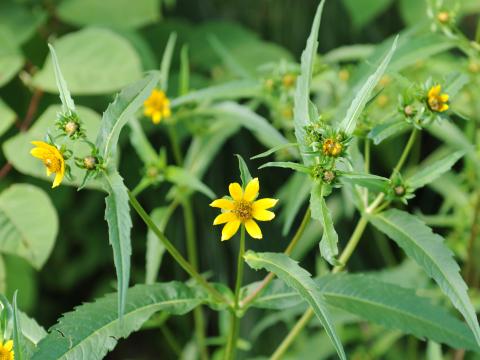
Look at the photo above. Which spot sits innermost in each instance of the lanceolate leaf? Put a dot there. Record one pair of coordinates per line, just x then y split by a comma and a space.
350, 121
92, 330
299, 279
429, 173
372, 182
126, 103
180, 176
244, 172
166, 61
68, 105
18, 345
329, 243
370, 298
287, 165
117, 214
394, 126
302, 91
430, 252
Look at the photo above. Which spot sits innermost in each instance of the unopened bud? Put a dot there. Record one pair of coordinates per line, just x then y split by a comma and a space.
71, 128
443, 17
408, 110
399, 190
90, 162
328, 176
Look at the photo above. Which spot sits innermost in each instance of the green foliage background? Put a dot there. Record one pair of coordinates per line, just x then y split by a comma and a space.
105, 45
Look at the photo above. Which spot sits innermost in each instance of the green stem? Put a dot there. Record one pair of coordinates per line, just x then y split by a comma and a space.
235, 323
172, 250
192, 256
171, 341
406, 151
177, 153
367, 166
298, 235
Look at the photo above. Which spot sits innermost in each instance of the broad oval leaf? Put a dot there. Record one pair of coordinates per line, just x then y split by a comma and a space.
379, 302
7, 115
93, 329
94, 61
121, 110
28, 223
11, 59
430, 252
298, 278
109, 12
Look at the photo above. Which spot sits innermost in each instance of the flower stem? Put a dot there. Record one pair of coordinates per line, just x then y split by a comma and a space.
172, 250
406, 151
234, 324
296, 238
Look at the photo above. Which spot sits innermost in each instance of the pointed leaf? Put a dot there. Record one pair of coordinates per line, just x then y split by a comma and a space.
358, 104
392, 127
68, 106
302, 91
432, 171
18, 345
181, 177
125, 105
373, 182
155, 248
287, 165
166, 61
93, 329
244, 172
430, 252
298, 278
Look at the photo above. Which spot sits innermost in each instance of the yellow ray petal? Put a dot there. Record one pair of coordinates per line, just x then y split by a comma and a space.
444, 97
222, 204
253, 229
8, 345
156, 117
434, 91
263, 215
265, 203
230, 229
40, 153
223, 218
444, 108
236, 191
251, 191
58, 179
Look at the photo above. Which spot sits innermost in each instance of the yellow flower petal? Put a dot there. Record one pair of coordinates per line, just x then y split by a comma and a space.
39, 152
253, 229
223, 218
8, 345
444, 108
222, 204
434, 91
251, 191
156, 117
236, 191
230, 229
265, 203
263, 215
444, 97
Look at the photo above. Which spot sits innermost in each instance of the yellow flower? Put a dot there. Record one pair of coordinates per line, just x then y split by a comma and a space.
437, 101
157, 106
52, 159
243, 209
6, 350
331, 147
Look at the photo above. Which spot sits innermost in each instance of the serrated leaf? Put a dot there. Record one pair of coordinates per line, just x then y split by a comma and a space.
28, 223
379, 302
298, 278
166, 61
432, 171
117, 215
95, 328
245, 175
329, 242
392, 127
302, 89
68, 105
430, 252
125, 105
373, 182
358, 104
287, 165
181, 177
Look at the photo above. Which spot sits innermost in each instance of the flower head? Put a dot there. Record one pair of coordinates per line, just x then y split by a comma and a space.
332, 147
6, 350
437, 101
52, 159
243, 209
157, 106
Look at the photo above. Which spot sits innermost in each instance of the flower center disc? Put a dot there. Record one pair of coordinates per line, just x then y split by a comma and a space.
243, 210
53, 164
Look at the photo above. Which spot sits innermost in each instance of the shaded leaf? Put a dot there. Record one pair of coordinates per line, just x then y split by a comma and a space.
68, 105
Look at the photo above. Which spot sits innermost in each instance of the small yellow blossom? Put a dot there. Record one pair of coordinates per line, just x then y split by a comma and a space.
436, 100
6, 350
243, 209
52, 159
331, 147
157, 106
344, 75
443, 17
288, 80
